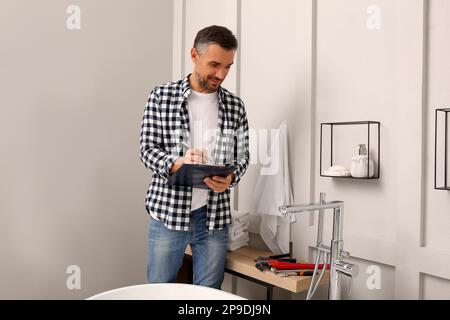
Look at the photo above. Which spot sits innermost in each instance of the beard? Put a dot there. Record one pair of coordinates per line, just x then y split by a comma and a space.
203, 82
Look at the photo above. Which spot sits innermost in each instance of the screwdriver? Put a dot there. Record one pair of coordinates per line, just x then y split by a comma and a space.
297, 273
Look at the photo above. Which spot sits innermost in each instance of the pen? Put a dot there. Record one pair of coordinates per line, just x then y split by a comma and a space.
185, 144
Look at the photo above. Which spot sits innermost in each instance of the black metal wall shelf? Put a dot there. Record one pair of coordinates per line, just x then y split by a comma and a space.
441, 158
353, 123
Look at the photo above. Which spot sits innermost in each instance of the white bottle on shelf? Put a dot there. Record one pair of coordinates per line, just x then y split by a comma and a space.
360, 163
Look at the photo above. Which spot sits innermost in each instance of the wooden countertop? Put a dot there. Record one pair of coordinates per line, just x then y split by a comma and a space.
243, 261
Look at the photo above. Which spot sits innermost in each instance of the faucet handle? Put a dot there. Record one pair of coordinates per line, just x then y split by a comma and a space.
345, 254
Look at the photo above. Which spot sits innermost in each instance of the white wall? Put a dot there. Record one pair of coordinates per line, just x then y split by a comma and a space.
435, 220
315, 61
72, 187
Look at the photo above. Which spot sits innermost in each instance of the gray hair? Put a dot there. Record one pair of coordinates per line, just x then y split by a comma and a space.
215, 35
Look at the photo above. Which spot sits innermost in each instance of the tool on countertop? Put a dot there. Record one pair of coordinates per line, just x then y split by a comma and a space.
262, 263
284, 256
282, 265
306, 273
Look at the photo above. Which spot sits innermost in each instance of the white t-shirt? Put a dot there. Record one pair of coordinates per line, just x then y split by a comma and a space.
203, 117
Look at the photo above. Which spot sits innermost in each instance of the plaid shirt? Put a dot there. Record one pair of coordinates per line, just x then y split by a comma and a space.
165, 126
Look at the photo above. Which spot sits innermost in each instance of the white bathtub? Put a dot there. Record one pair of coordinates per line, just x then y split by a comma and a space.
165, 291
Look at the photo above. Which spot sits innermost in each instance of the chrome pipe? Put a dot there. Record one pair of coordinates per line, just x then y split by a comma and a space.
337, 242
320, 221
334, 292
324, 248
310, 207
338, 267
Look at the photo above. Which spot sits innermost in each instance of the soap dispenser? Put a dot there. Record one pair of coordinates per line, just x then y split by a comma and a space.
360, 163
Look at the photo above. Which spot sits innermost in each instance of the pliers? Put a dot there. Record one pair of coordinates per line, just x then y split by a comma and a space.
262, 263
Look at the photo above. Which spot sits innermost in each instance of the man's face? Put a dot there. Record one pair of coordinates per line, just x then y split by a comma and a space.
211, 67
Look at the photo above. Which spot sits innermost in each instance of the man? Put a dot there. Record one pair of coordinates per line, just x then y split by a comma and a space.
194, 121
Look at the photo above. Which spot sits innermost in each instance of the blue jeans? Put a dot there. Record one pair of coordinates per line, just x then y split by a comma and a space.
166, 251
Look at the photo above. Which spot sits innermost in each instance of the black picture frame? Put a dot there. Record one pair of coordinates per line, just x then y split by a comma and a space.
437, 133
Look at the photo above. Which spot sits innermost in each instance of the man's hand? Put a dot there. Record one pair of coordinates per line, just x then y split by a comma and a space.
192, 156
219, 184
195, 156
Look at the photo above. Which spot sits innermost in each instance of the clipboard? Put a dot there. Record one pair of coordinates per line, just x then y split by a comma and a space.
192, 175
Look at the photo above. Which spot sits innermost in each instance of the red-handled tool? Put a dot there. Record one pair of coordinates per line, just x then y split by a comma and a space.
289, 265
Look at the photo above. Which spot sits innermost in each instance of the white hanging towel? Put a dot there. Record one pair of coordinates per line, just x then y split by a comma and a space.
273, 189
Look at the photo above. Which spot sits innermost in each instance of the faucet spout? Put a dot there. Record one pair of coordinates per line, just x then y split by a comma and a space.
310, 207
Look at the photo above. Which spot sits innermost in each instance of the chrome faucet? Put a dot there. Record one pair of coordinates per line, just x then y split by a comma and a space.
338, 267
